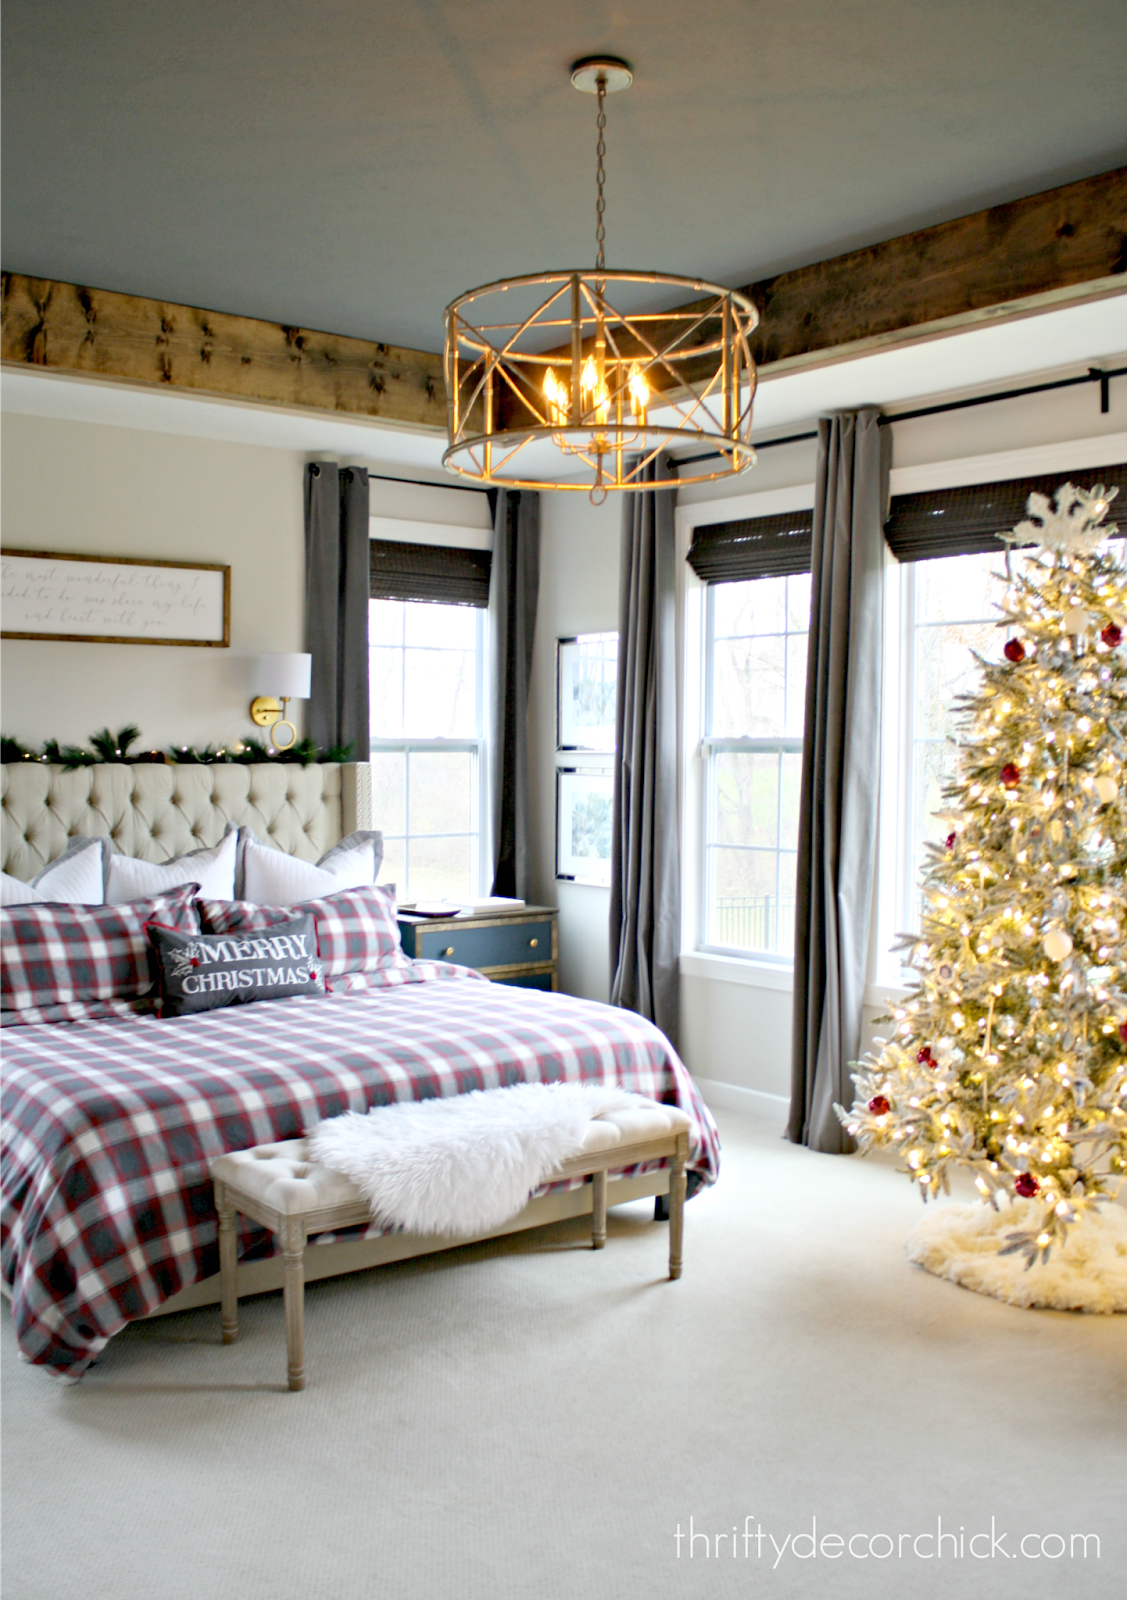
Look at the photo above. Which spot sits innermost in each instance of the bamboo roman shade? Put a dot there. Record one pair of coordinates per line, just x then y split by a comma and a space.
756, 547
960, 521
441, 574
966, 520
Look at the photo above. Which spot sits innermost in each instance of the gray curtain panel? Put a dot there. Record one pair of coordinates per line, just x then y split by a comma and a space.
645, 894
837, 828
336, 605
514, 583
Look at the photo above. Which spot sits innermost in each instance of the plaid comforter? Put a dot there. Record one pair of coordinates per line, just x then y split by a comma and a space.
107, 1206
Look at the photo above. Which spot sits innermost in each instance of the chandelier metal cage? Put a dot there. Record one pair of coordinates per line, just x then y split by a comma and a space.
609, 368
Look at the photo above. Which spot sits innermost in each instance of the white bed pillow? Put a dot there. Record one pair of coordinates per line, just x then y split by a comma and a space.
213, 868
76, 877
270, 877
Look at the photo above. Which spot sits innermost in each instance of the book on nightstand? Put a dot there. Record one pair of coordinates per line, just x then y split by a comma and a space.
454, 908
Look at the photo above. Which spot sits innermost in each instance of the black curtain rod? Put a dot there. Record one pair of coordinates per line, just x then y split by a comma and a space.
423, 483
757, 445
416, 483
1100, 375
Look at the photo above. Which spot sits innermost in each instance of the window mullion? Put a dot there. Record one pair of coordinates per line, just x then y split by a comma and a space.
752, 746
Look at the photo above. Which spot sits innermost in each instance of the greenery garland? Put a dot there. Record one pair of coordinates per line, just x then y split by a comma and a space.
107, 747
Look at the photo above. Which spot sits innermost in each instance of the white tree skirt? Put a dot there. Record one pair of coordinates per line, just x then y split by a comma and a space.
1088, 1274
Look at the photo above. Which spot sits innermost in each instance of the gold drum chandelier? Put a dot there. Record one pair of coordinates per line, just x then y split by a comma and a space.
609, 368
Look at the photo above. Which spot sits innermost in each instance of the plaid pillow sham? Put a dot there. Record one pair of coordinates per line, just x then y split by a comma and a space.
73, 963
357, 929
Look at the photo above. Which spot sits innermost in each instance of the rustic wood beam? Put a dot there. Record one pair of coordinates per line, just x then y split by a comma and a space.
65, 327
1027, 254
1057, 245
1043, 245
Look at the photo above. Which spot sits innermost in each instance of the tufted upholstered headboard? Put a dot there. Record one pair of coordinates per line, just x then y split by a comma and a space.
156, 812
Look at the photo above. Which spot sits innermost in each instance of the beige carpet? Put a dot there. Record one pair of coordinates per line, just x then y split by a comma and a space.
532, 1419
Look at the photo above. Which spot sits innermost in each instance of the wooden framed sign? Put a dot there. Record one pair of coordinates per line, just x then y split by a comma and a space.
114, 599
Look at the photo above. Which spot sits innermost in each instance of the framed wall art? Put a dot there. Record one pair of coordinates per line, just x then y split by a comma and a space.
586, 684
584, 801
114, 599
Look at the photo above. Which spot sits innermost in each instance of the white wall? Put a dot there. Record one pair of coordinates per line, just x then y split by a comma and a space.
579, 546
115, 491
735, 1032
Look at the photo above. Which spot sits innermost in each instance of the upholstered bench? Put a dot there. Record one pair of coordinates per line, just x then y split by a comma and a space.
278, 1187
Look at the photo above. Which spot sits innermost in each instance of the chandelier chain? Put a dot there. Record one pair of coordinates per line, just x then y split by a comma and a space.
601, 177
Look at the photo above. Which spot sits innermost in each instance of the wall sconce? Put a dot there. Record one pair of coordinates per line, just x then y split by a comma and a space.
279, 677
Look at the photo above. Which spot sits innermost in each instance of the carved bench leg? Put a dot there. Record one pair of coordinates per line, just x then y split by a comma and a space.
677, 1205
292, 1236
598, 1210
228, 1242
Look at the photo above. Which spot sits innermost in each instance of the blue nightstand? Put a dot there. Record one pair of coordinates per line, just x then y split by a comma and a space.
517, 947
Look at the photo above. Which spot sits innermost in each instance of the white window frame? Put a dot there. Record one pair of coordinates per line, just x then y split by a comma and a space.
480, 851
756, 968
713, 745
445, 514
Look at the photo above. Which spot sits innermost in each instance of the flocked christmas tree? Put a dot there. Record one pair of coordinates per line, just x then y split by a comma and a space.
1009, 1058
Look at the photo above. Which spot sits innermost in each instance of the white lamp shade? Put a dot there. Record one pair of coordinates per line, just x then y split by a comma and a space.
283, 675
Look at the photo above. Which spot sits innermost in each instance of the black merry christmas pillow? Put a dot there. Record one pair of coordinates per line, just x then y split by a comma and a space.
200, 971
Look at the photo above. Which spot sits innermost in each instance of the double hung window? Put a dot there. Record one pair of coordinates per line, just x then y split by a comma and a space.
426, 655
756, 623
755, 687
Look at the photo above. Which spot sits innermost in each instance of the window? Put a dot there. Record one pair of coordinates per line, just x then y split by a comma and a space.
746, 625
951, 607
426, 678
755, 689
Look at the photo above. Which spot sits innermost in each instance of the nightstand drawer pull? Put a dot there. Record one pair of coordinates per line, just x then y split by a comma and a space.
449, 951
532, 943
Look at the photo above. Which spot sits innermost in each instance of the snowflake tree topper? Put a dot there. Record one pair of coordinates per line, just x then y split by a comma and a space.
1071, 527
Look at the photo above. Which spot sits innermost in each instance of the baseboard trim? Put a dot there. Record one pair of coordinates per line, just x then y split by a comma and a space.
771, 1108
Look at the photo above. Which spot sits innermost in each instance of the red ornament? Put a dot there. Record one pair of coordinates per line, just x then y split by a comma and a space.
951, 841
1010, 775
1026, 1185
1123, 1031
1014, 651
925, 1057
879, 1106
1112, 635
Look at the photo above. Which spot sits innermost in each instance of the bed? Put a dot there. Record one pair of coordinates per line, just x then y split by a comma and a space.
107, 1209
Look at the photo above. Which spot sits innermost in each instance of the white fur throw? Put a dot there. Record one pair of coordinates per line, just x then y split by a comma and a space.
465, 1163
1088, 1274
